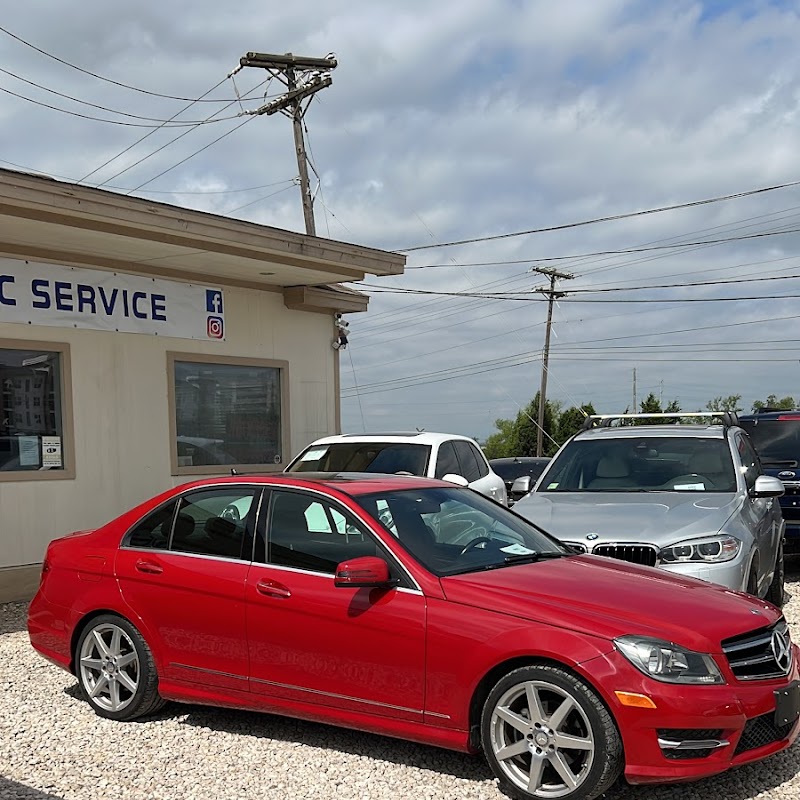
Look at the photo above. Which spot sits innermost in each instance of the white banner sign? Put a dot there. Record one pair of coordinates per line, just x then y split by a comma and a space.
70, 297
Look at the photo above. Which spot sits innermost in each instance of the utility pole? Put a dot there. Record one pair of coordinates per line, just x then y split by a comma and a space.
551, 294
303, 77
634, 391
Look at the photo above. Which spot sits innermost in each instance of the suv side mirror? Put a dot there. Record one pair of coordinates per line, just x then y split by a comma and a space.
459, 480
767, 486
521, 487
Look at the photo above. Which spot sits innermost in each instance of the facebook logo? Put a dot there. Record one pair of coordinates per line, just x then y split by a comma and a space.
214, 301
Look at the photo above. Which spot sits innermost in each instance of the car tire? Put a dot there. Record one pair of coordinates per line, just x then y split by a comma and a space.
775, 593
115, 669
545, 733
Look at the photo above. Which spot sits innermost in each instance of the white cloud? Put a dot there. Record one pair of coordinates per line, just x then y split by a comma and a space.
464, 118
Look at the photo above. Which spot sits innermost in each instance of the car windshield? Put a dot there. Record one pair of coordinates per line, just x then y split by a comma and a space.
645, 464
389, 457
454, 530
776, 440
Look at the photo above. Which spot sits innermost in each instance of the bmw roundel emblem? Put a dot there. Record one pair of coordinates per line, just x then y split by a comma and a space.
592, 536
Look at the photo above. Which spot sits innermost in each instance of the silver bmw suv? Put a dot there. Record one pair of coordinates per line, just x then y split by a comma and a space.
690, 498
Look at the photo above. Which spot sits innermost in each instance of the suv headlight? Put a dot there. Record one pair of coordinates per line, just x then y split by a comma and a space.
711, 549
667, 662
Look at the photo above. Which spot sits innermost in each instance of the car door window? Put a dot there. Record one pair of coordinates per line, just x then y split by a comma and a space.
214, 522
480, 459
466, 458
154, 530
751, 466
312, 534
447, 461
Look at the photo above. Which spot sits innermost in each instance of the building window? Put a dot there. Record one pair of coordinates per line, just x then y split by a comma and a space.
33, 421
227, 412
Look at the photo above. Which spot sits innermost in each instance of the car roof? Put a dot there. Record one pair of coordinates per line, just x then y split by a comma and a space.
785, 415
413, 437
351, 483
520, 460
644, 431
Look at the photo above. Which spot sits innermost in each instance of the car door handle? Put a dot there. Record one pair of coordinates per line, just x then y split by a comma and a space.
273, 589
149, 567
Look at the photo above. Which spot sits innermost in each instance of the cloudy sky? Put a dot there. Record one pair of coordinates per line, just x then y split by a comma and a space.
465, 119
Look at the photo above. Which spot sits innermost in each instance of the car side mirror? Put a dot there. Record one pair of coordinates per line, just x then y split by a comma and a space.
367, 571
459, 480
521, 487
767, 486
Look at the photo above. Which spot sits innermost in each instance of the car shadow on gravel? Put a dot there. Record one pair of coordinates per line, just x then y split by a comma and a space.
344, 740
753, 780
13, 618
18, 791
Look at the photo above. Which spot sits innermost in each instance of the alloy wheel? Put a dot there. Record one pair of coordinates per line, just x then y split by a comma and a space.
109, 667
542, 739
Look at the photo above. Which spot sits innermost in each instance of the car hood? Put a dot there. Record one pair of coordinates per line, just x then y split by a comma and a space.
607, 598
659, 518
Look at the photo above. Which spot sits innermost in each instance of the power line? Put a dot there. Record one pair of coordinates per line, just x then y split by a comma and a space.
156, 191
684, 285
101, 77
105, 108
260, 199
627, 251
612, 218
143, 138
98, 119
167, 144
528, 357
191, 155
735, 225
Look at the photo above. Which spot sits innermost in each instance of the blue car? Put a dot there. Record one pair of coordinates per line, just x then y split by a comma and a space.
776, 436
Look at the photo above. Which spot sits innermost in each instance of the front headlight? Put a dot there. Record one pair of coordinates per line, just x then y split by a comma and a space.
711, 549
667, 662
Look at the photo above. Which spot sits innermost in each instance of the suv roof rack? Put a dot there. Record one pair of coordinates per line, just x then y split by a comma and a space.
728, 418
774, 409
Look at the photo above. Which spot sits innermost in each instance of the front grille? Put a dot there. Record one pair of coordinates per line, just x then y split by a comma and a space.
688, 735
644, 554
754, 656
760, 731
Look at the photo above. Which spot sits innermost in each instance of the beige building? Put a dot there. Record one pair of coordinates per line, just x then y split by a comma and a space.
142, 344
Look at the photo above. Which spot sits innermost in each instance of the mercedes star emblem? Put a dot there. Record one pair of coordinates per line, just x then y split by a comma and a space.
781, 650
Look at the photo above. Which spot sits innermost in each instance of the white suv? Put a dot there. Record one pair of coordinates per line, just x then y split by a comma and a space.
432, 455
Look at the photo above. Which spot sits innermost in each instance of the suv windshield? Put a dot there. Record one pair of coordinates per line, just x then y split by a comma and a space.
644, 464
776, 440
389, 457
452, 530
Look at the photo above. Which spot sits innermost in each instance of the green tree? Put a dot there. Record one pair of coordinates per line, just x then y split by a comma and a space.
673, 407
526, 425
729, 403
785, 403
571, 420
500, 444
650, 405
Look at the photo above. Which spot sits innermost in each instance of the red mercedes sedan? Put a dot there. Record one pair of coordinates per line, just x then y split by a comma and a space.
422, 610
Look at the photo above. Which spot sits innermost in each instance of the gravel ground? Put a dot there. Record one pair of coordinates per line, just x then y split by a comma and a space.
52, 746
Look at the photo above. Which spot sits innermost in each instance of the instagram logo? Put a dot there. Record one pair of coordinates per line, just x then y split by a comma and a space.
215, 328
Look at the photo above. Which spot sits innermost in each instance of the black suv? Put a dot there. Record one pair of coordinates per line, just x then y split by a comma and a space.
776, 436
509, 469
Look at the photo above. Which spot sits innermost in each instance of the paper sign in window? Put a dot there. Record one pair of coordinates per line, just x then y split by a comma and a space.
28, 451
51, 451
